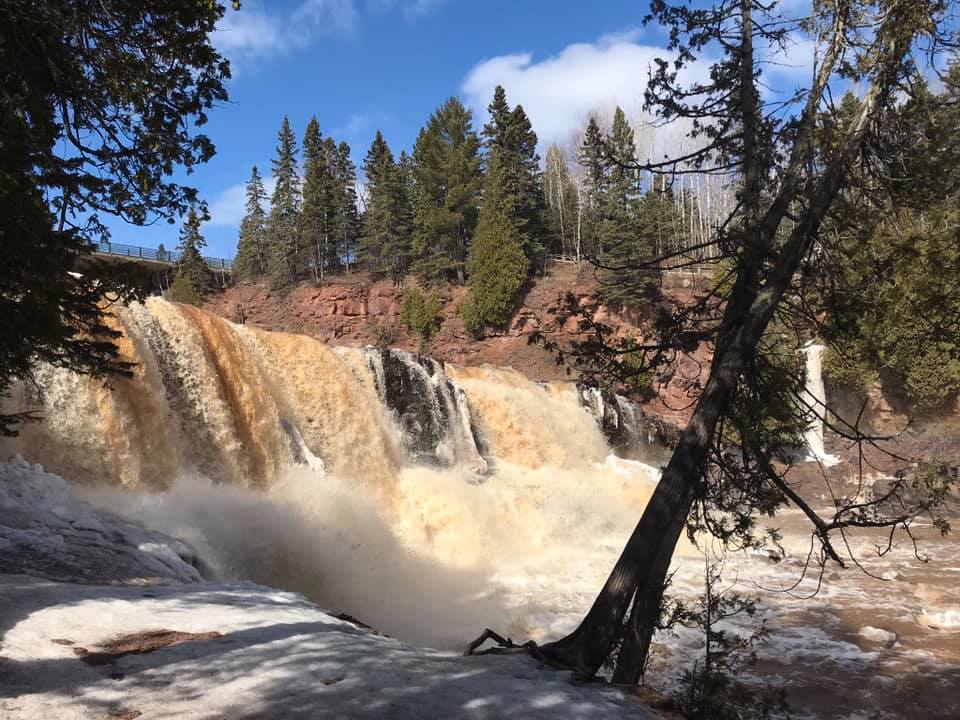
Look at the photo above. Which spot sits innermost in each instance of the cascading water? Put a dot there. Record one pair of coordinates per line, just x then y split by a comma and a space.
351, 475
816, 398
342, 473
629, 431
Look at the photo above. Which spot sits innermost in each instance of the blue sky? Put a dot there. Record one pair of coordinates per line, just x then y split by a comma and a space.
363, 65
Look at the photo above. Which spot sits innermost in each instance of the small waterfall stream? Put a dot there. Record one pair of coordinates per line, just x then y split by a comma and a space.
816, 398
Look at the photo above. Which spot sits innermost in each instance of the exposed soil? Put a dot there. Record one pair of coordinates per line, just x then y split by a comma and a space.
136, 644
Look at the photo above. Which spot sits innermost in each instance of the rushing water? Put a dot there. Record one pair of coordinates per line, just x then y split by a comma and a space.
433, 501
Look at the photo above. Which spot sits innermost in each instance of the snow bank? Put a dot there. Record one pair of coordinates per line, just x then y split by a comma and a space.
45, 531
878, 635
279, 656
941, 619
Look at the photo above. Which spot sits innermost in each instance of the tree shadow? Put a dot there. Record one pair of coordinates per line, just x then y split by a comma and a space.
312, 666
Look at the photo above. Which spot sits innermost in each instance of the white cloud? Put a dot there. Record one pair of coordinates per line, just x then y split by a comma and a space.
559, 92
253, 33
228, 206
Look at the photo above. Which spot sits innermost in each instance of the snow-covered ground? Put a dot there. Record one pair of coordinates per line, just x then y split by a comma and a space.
45, 531
277, 654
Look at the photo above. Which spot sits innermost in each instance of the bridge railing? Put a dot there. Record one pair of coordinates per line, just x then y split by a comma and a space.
136, 252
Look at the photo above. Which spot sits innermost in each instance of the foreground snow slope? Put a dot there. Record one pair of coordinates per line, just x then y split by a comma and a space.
279, 656
45, 531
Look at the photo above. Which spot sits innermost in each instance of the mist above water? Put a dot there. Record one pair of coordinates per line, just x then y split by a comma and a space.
432, 501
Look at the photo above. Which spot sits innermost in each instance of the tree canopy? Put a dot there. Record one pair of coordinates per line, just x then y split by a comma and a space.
100, 103
447, 178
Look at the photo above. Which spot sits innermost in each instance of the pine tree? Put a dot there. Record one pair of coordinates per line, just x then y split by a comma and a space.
251, 259
385, 241
284, 257
194, 279
510, 135
497, 265
447, 176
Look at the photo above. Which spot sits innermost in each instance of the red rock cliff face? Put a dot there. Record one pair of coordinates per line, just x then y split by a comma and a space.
356, 310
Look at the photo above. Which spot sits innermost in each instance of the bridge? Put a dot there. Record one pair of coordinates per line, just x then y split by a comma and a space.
157, 258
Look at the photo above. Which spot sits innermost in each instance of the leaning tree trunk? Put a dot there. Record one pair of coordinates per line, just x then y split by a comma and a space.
639, 574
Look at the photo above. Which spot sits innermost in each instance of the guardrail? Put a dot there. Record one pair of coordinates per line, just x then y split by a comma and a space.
172, 257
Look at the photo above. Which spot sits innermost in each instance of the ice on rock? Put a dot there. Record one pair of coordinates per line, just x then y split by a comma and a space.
877, 635
47, 532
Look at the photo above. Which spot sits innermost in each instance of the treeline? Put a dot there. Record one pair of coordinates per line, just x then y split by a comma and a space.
465, 206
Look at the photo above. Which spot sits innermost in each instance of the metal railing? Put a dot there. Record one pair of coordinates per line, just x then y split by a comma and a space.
135, 252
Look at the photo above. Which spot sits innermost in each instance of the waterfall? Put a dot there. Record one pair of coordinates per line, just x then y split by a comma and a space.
382, 483
629, 431
816, 398
241, 405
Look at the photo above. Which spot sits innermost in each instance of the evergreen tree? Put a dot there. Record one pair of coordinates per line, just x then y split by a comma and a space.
510, 135
385, 241
346, 216
327, 199
596, 181
447, 176
497, 265
284, 257
315, 216
194, 279
141, 89
624, 228
252, 248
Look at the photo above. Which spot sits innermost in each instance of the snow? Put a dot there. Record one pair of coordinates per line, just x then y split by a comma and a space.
45, 531
878, 635
278, 655
941, 618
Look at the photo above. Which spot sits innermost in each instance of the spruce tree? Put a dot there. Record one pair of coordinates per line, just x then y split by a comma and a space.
328, 198
447, 176
284, 257
596, 170
626, 228
251, 259
194, 279
347, 217
497, 265
315, 213
385, 240
510, 135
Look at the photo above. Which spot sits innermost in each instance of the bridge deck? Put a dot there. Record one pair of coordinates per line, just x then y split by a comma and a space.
153, 256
